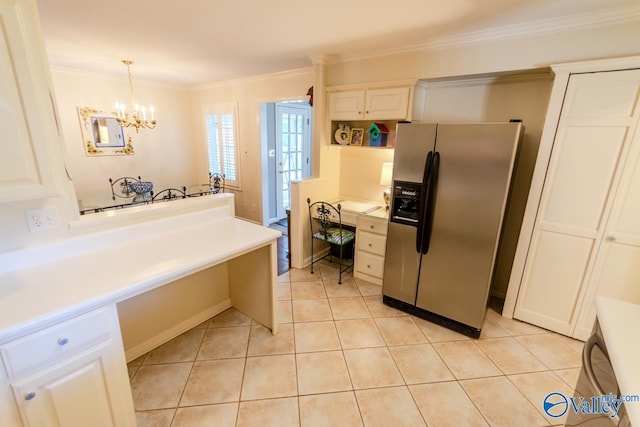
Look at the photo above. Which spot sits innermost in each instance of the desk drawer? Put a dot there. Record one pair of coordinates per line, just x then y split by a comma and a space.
372, 225
369, 242
370, 264
62, 340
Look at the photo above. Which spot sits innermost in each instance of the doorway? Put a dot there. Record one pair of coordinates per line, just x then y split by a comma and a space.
285, 129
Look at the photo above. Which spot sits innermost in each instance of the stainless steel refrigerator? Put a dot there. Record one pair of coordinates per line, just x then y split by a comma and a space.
450, 188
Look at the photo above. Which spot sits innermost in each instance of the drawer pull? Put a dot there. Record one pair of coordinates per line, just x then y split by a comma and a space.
370, 245
371, 226
369, 266
63, 341
30, 395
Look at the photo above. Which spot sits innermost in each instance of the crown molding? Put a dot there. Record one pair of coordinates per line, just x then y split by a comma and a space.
115, 77
254, 79
589, 20
542, 74
626, 63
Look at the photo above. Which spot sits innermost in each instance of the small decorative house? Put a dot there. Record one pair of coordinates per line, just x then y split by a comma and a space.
378, 133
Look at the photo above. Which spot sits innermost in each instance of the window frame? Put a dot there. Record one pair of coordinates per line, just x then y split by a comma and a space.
218, 110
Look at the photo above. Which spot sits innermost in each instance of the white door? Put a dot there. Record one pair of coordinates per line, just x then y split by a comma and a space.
595, 130
616, 272
292, 151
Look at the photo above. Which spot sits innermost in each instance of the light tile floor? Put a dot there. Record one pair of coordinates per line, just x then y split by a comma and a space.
342, 358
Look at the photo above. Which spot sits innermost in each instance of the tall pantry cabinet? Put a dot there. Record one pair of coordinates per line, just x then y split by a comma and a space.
581, 235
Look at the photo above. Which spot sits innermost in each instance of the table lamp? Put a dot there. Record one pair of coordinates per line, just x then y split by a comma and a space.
385, 179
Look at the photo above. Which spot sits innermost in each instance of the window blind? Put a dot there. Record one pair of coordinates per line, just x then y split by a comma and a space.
222, 146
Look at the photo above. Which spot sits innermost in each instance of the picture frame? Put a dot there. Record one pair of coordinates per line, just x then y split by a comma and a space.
357, 136
101, 134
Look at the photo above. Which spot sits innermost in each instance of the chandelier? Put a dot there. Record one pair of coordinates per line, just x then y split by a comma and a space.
138, 117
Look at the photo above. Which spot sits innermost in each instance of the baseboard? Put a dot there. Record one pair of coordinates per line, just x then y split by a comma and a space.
182, 327
498, 294
318, 255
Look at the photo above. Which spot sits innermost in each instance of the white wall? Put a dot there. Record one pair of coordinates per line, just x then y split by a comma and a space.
164, 155
248, 94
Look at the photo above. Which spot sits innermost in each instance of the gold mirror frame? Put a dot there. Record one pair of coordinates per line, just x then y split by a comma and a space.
102, 135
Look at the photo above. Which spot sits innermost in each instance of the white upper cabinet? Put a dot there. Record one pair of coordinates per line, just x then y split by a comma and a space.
27, 116
586, 236
370, 104
347, 105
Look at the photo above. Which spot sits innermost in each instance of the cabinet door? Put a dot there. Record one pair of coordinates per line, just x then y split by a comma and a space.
9, 415
617, 266
594, 133
387, 104
347, 105
26, 118
79, 392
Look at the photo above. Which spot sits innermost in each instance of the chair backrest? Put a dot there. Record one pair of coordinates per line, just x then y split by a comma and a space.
322, 217
199, 190
120, 187
169, 194
216, 182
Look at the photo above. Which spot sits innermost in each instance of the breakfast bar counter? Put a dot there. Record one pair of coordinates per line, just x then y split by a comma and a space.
62, 358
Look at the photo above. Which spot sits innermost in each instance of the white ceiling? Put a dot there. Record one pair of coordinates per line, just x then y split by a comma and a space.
194, 42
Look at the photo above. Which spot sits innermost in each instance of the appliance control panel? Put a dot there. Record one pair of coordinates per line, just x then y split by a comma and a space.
405, 203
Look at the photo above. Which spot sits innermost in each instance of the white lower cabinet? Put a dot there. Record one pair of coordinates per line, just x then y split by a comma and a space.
586, 235
74, 379
371, 239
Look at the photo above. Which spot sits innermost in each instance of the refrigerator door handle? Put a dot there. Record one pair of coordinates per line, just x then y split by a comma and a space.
423, 201
432, 185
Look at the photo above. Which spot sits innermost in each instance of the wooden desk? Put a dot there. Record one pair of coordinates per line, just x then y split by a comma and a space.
370, 222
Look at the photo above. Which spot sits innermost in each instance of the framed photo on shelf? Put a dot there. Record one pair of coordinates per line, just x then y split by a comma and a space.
357, 135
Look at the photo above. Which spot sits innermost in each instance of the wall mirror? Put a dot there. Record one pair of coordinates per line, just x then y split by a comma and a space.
102, 135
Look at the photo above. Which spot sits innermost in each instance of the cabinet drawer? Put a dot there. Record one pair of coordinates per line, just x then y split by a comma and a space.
372, 225
369, 242
61, 340
370, 264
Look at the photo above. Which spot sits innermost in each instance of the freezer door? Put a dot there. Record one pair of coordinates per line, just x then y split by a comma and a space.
413, 142
402, 259
476, 163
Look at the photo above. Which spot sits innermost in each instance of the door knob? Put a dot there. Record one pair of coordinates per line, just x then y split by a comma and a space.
612, 238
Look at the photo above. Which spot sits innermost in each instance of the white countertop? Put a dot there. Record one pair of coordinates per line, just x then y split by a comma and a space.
619, 321
352, 207
117, 265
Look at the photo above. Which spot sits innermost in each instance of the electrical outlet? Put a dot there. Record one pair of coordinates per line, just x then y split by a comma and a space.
42, 219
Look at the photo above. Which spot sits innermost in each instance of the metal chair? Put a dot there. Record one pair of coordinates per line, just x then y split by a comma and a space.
120, 187
325, 222
216, 182
169, 194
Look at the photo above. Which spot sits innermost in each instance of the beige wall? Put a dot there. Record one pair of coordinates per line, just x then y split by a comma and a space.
360, 172
164, 155
525, 52
248, 94
515, 53
175, 307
